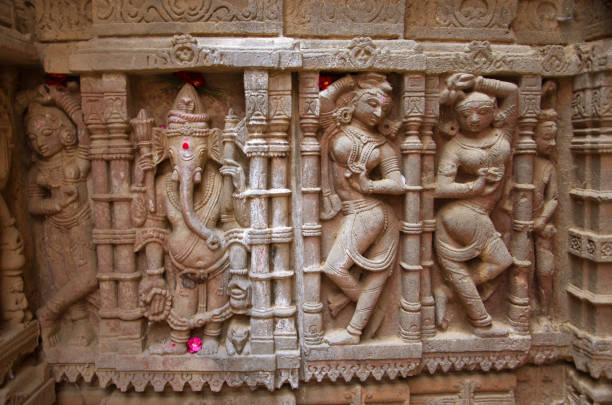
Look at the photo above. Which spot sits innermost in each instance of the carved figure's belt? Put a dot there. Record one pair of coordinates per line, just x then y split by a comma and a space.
65, 223
358, 206
202, 275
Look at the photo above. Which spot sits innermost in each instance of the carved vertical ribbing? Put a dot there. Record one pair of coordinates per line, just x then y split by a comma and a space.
256, 93
413, 111
309, 107
428, 174
522, 211
120, 153
279, 115
92, 94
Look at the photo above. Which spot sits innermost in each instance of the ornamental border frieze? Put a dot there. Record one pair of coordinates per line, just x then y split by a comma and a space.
359, 54
139, 381
590, 245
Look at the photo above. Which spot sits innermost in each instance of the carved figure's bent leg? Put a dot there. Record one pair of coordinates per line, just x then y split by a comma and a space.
72, 260
463, 233
545, 266
367, 226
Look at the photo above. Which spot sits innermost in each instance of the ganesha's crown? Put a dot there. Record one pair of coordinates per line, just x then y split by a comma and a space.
187, 117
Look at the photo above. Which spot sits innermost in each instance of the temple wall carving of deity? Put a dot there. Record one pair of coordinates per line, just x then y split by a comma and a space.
306, 202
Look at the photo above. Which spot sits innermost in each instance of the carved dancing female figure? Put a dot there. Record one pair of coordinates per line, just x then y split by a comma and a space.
471, 172
358, 165
57, 191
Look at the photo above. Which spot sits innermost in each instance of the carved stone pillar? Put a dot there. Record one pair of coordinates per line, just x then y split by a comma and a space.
428, 180
105, 110
589, 240
522, 218
311, 228
413, 111
256, 92
279, 115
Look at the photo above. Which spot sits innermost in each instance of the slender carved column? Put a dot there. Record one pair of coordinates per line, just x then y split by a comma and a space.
92, 94
311, 228
428, 180
238, 253
279, 113
413, 110
522, 218
105, 101
256, 91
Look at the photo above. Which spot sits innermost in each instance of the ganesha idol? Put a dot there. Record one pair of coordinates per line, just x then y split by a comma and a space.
180, 215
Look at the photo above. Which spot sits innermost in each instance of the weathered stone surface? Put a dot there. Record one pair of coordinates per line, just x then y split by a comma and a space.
306, 202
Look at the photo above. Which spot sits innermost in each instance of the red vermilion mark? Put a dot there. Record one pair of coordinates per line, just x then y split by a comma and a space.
185, 145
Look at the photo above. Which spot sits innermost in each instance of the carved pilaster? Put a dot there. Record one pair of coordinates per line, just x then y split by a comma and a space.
428, 174
279, 117
522, 221
589, 243
413, 111
256, 92
105, 110
309, 107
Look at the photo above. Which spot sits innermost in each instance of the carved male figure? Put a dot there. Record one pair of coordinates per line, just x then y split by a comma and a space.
57, 192
189, 198
471, 172
358, 168
545, 201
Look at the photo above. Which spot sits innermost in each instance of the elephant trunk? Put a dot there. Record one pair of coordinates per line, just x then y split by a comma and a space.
192, 221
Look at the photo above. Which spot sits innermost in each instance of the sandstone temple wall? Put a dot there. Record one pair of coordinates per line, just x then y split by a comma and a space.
306, 202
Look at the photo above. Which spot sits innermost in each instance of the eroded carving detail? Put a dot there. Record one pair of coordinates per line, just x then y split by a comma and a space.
361, 53
352, 146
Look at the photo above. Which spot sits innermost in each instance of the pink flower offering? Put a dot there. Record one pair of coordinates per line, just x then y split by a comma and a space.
194, 345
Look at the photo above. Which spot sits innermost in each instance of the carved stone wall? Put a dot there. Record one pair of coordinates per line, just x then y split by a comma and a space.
315, 202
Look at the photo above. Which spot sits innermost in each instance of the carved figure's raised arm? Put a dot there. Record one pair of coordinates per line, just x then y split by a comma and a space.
508, 110
329, 96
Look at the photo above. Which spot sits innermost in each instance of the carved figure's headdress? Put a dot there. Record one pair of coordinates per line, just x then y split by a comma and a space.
475, 97
187, 117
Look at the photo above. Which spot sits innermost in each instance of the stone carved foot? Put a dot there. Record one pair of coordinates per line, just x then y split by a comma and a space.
341, 337
210, 345
82, 333
493, 330
168, 348
49, 327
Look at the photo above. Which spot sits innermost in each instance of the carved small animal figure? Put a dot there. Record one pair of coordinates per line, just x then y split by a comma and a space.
237, 337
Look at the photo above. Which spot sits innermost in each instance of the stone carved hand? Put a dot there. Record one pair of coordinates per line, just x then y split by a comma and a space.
69, 195
543, 229
153, 293
233, 169
360, 182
